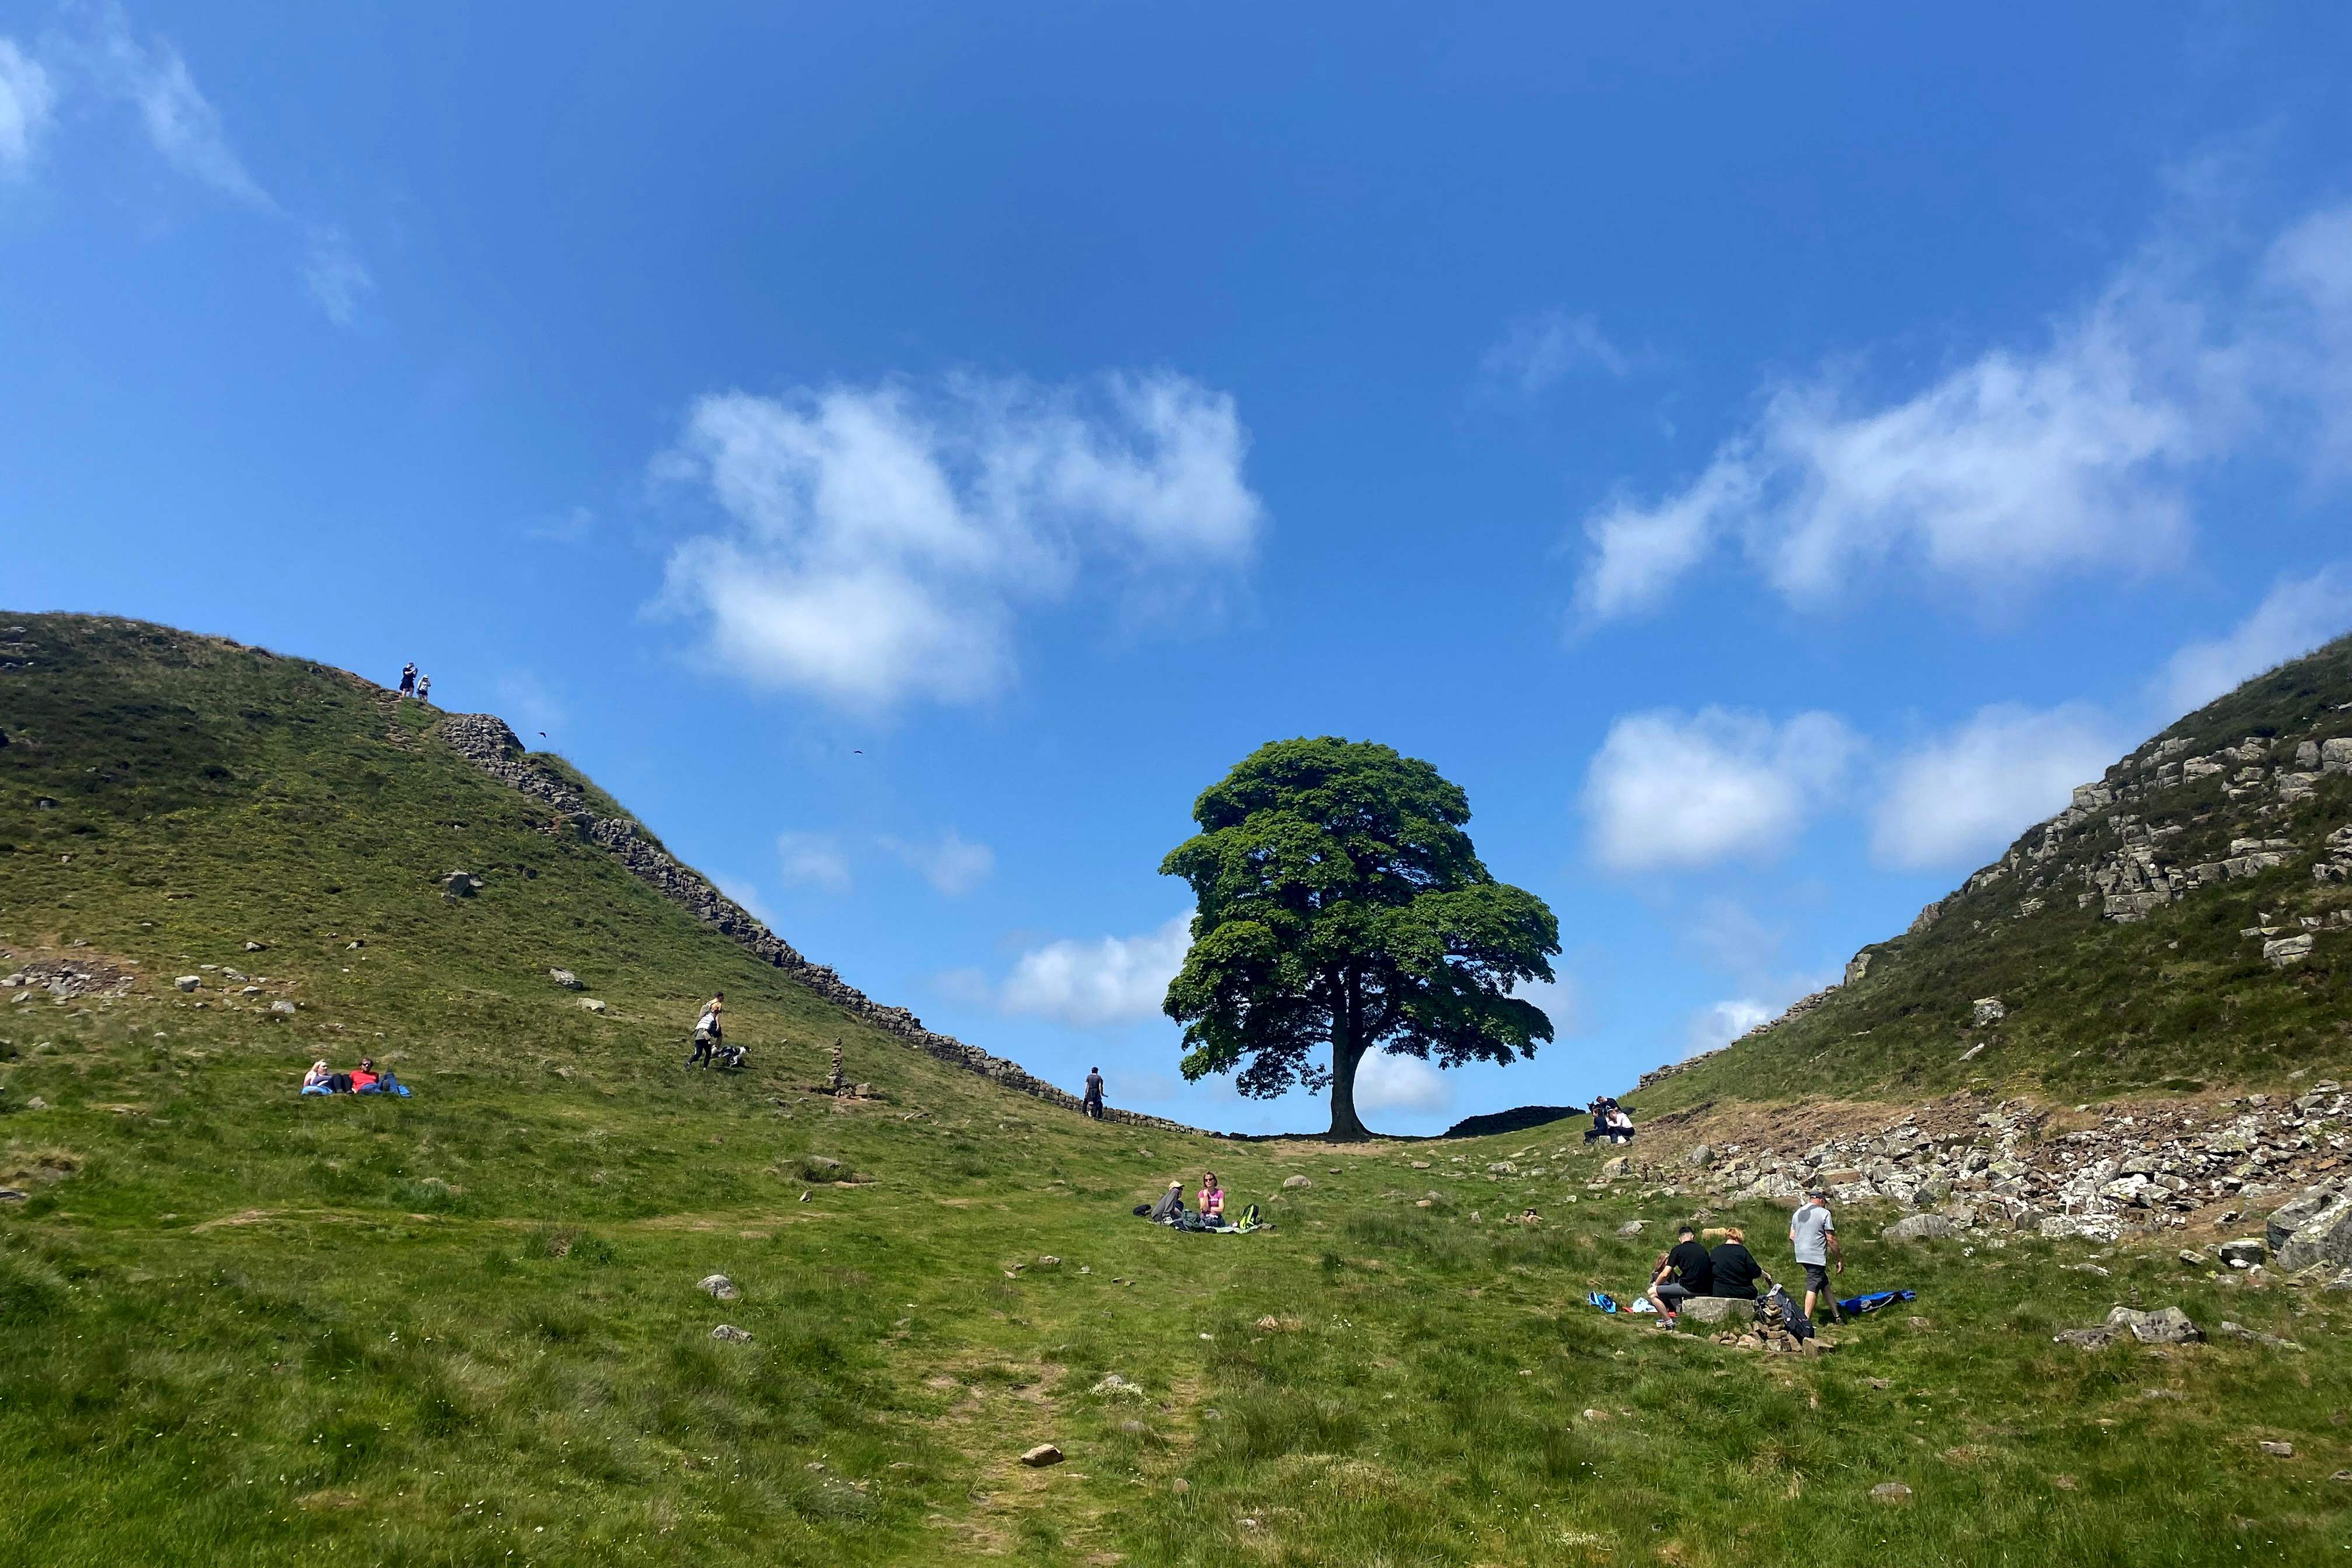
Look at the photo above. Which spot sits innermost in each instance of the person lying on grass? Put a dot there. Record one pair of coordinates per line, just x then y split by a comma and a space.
1680, 1273
318, 1080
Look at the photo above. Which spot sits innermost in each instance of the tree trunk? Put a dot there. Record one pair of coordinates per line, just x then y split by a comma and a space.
1347, 1051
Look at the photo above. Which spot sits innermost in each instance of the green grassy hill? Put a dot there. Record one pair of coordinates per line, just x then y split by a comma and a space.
241, 1327
2126, 940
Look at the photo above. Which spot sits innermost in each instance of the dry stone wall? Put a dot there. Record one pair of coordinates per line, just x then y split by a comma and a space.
484, 740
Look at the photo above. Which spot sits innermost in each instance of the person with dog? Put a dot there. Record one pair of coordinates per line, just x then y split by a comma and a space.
708, 1031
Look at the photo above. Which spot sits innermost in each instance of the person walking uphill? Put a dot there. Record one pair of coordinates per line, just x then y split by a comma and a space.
1094, 1093
707, 1031
1812, 1236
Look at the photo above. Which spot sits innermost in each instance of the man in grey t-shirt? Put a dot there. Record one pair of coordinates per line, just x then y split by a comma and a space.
1812, 1236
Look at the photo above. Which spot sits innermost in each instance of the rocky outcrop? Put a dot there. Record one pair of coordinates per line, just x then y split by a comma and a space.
484, 740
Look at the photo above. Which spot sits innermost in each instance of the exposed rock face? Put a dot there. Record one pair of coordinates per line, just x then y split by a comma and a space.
484, 740
1968, 1163
1990, 1010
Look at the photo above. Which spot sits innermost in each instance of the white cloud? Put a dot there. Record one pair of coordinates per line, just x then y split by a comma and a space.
181, 122
1956, 799
1385, 1082
1112, 980
1667, 791
879, 542
26, 102
745, 893
1723, 1021
953, 864
1535, 352
1559, 1001
338, 281
2023, 465
2295, 617
813, 859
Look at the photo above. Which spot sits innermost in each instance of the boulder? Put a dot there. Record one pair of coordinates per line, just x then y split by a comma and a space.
1719, 1310
188, 981
2324, 1238
1044, 1454
2290, 1216
1613, 1169
2249, 1250
2165, 1326
1990, 1010
2080, 1226
1920, 1227
460, 884
2277, 1450
718, 1286
1631, 1228
731, 1334
565, 978
257, 947
1296, 1183
282, 1006
592, 1004
1700, 1155
1503, 1168
1890, 1493
2335, 756
2281, 952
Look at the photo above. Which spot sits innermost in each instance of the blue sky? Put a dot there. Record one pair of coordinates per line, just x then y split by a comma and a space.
907, 452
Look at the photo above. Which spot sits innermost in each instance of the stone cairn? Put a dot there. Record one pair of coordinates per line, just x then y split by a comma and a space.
484, 740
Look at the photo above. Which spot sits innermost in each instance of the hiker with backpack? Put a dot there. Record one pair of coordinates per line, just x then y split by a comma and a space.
1812, 1236
1683, 1271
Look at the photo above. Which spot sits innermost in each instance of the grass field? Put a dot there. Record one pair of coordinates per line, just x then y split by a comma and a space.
241, 1327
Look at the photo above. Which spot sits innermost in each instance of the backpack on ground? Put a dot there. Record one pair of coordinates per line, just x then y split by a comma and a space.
1602, 1300
1792, 1316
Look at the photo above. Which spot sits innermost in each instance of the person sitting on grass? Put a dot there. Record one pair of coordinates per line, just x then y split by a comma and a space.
1732, 1267
1212, 1200
1620, 1126
1680, 1273
318, 1080
1169, 1209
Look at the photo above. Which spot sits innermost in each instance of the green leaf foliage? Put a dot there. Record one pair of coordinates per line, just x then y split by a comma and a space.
1339, 902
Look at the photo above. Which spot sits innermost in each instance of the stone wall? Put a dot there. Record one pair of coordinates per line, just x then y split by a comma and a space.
484, 740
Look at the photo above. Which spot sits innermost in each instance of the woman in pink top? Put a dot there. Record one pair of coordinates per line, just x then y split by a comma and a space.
1212, 1199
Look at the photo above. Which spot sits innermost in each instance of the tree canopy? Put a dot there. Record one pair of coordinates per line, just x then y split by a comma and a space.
1338, 901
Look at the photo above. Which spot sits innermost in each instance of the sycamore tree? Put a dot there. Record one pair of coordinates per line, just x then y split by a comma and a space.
1339, 903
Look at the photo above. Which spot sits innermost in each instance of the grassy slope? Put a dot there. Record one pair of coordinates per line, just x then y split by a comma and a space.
256, 1329
2177, 1002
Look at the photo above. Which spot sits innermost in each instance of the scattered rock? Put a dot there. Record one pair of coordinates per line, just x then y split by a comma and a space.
282, 1006
1920, 1227
2277, 1450
1890, 1493
1631, 1228
2239, 1331
2248, 1251
1700, 1155
1296, 1183
1049, 1261
2166, 1326
719, 1286
1044, 1454
12, 1194
1114, 1386
731, 1334
592, 1004
2283, 951
1611, 1170
460, 884
1719, 1310
2324, 1238
565, 978
1990, 1010
257, 947
188, 982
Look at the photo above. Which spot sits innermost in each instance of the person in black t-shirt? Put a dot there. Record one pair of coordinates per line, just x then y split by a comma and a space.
1735, 1269
1683, 1272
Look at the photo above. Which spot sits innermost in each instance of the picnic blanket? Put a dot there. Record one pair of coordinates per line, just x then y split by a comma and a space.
1857, 1305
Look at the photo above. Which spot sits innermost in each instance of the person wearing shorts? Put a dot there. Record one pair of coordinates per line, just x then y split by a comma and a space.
1812, 1236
